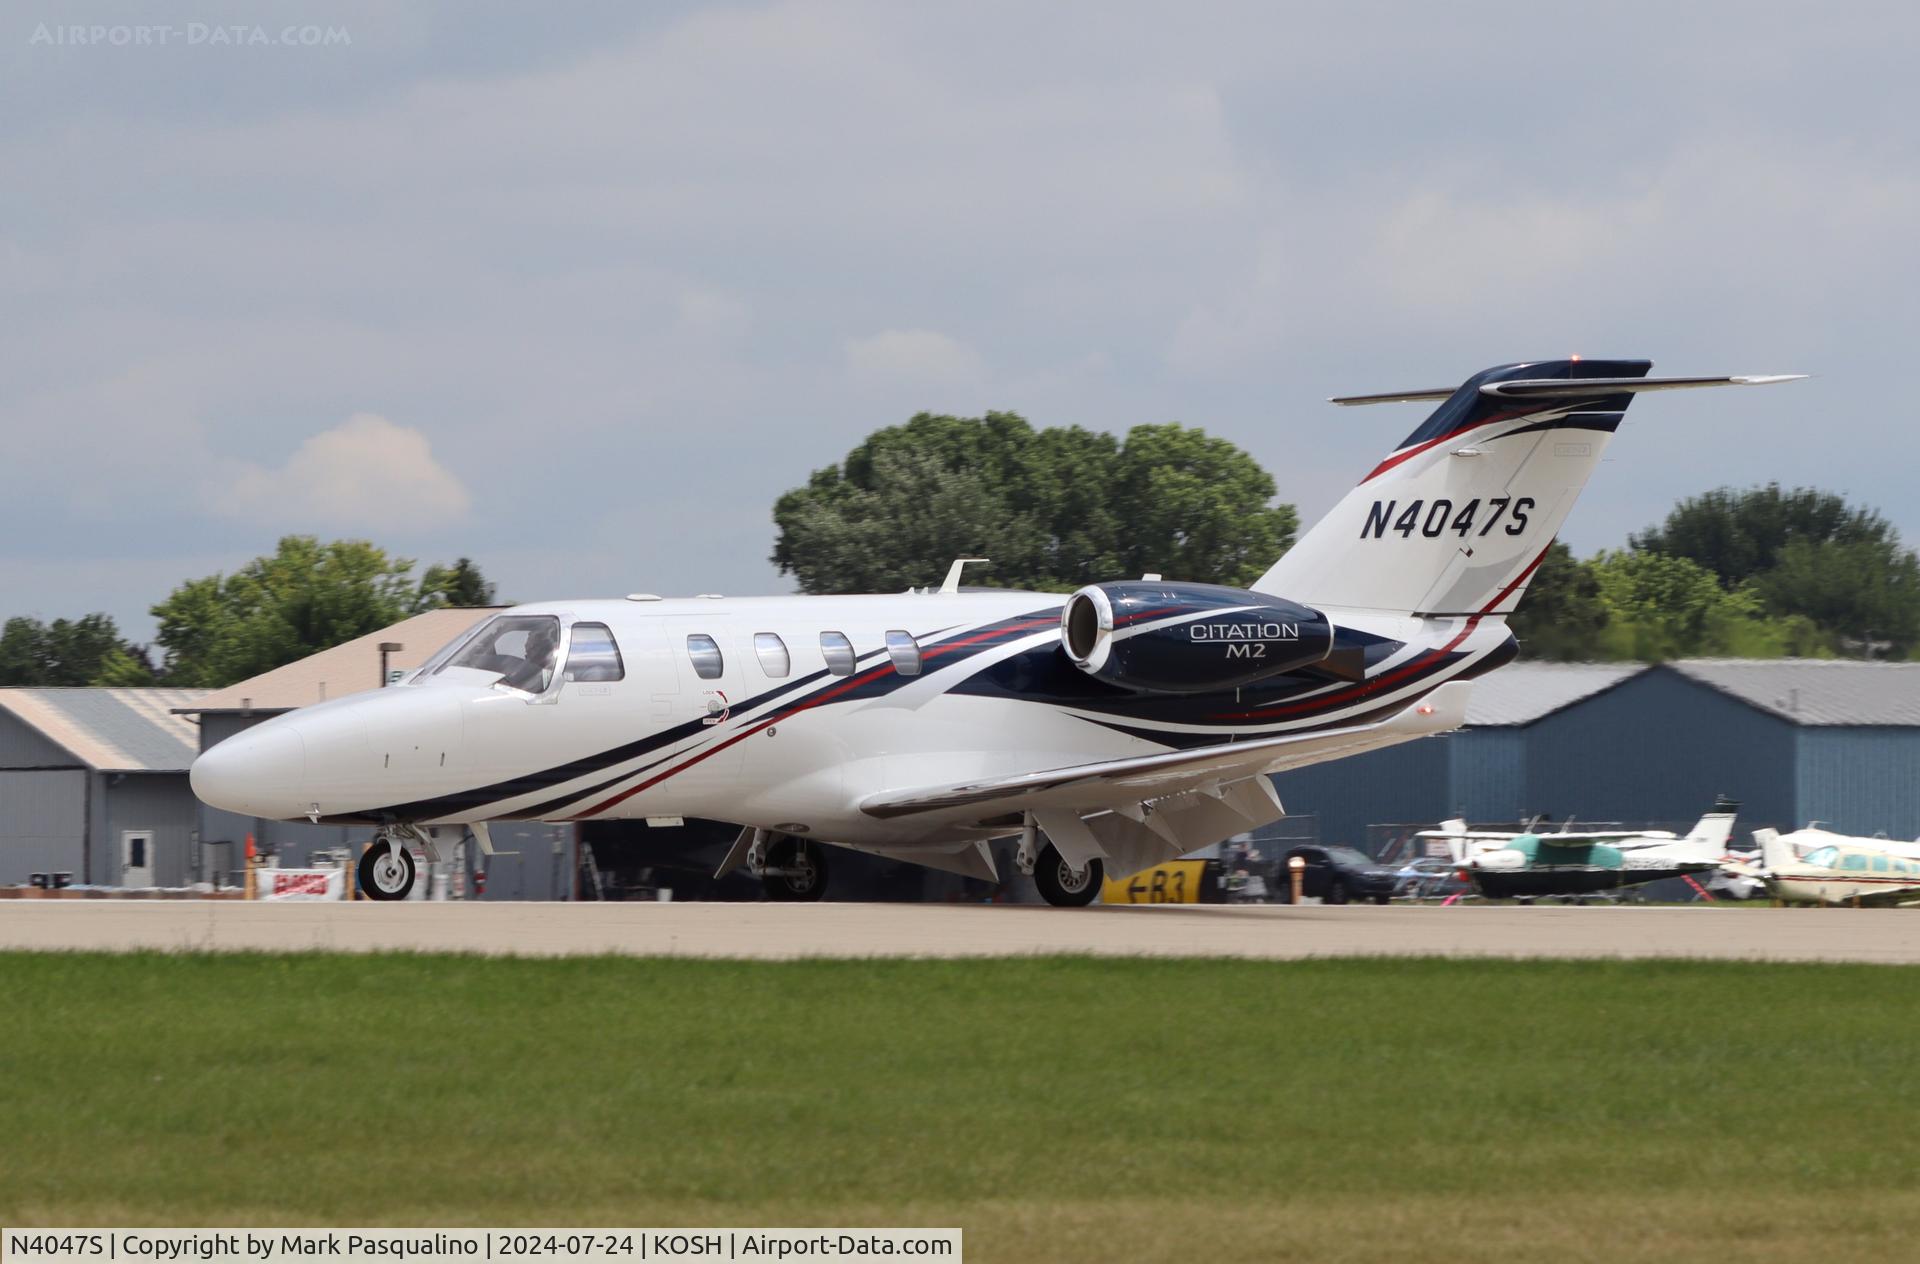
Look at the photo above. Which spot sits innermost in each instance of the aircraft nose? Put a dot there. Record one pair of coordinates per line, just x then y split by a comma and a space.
255, 773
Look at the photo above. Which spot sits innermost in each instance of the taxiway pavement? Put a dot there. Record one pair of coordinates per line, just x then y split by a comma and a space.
782, 931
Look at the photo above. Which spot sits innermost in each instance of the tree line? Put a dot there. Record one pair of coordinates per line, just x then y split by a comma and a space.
304, 597
1757, 572
1761, 572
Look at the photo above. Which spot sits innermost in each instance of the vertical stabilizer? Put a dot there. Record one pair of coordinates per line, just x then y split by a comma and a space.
1455, 519
1775, 852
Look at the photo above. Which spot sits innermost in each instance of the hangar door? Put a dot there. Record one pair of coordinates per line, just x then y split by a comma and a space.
43, 821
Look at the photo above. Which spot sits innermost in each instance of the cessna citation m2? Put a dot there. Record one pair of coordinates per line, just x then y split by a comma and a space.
1110, 729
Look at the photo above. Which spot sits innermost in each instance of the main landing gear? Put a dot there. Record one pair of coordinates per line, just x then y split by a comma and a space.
795, 869
1061, 884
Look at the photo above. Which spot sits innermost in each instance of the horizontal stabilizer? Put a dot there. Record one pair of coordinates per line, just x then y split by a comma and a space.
1599, 387
1570, 388
1395, 397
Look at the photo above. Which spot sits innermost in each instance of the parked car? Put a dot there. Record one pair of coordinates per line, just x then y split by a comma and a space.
1429, 878
1336, 875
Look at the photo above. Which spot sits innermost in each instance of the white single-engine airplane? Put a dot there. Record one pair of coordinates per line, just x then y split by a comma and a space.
1119, 726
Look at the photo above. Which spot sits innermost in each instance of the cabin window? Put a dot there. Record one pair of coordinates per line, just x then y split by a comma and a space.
904, 651
838, 651
705, 653
593, 655
774, 659
1880, 864
519, 649
1855, 861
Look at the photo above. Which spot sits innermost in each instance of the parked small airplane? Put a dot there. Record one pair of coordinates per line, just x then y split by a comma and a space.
1576, 863
1814, 866
1122, 725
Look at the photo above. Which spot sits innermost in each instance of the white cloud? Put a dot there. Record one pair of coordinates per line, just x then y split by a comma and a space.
743, 228
366, 473
912, 358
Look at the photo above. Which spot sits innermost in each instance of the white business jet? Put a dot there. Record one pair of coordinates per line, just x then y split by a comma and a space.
1125, 724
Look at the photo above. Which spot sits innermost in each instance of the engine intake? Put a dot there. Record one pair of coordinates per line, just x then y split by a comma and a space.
1157, 637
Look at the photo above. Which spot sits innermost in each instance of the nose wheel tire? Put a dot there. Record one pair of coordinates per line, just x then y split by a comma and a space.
802, 870
1060, 885
385, 873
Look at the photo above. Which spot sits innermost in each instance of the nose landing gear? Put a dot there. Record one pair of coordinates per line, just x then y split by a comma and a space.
386, 868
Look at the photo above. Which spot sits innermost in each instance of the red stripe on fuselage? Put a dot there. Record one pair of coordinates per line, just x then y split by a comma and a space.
944, 646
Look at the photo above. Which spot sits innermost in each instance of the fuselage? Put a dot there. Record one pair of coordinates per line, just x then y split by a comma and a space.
779, 712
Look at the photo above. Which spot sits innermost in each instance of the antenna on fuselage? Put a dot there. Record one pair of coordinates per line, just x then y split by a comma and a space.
952, 582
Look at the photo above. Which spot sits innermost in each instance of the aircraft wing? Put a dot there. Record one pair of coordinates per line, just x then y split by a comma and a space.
1117, 784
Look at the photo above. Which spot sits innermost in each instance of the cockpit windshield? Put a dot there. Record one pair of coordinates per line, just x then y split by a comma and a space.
520, 649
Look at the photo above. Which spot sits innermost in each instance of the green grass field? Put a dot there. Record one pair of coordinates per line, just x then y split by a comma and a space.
1056, 1109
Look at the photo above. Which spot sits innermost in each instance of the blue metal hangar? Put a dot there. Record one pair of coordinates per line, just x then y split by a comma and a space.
1794, 740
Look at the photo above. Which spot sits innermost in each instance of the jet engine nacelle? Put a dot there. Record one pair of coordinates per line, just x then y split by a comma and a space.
1189, 638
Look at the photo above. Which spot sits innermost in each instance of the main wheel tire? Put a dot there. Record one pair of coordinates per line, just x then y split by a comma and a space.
385, 874
1383, 899
1337, 892
1060, 886
806, 864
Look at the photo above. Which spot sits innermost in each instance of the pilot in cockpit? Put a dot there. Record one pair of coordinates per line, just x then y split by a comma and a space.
535, 669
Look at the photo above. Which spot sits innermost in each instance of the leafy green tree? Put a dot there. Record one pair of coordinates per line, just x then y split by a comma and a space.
461, 584
1563, 616
1663, 607
130, 666
305, 597
1052, 508
1836, 575
81, 651
1738, 533
1858, 592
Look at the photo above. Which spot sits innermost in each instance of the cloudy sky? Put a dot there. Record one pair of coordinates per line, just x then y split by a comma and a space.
578, 290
